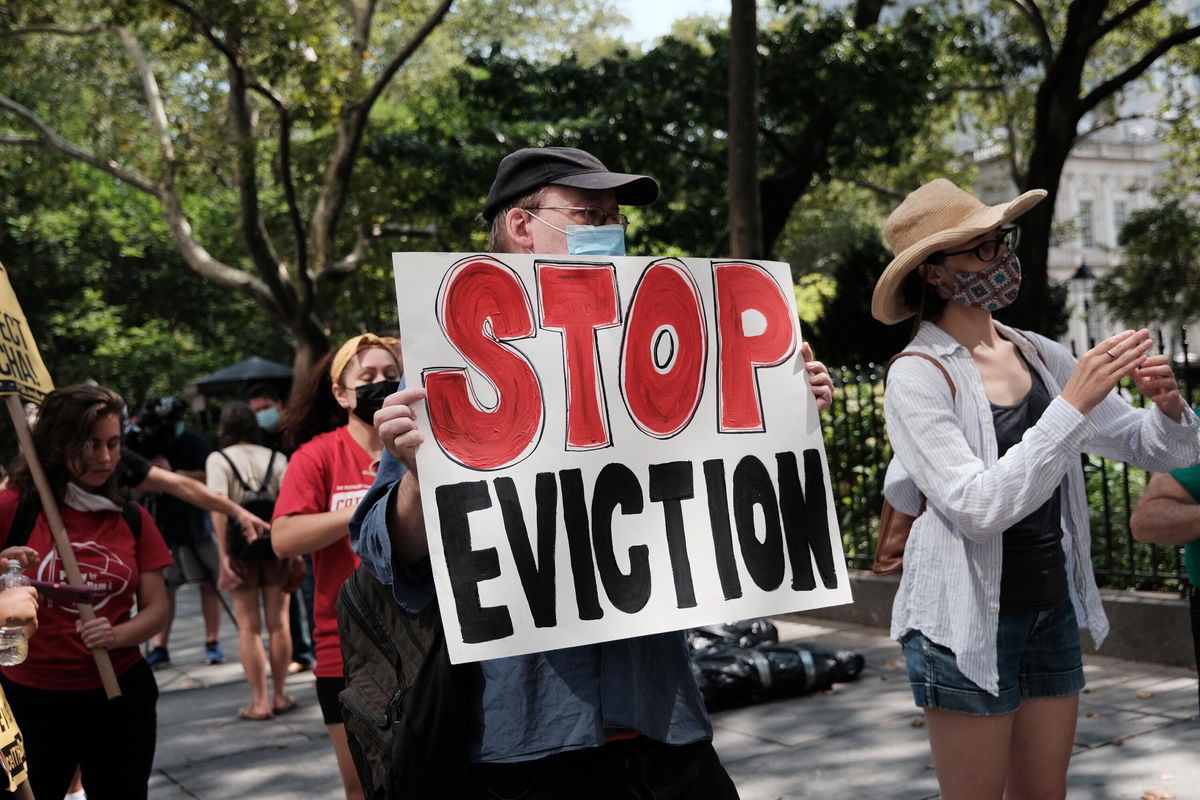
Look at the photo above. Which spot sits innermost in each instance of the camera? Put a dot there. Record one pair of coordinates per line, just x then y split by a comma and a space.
152, 428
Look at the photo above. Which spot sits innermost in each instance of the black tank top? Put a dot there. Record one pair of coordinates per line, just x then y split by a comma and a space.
1034, 573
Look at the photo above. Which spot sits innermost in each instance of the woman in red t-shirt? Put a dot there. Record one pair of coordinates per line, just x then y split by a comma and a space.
56, 694
326, 478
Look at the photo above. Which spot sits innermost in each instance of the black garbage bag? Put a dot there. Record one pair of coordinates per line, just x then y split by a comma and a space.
747, 633
730, 675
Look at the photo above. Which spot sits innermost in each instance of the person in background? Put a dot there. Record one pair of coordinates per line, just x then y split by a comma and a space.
335, 462
241, 462
185, 527
136, 474
1168, 513
267, 405
56, 694
988, 423
265, 402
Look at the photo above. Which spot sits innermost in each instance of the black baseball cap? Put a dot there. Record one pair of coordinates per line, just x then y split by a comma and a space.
532, 168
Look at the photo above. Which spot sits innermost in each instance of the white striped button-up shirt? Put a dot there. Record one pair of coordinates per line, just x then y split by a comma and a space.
946, 450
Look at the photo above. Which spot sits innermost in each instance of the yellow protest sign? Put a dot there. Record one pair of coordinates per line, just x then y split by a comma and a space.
12, 746
21, 369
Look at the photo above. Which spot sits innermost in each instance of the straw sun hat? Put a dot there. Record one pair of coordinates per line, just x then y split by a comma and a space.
935, 217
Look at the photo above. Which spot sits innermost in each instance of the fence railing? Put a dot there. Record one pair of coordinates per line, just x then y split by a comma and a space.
858, 451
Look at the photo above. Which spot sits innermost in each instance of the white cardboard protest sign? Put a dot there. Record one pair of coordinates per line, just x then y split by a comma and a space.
614, 447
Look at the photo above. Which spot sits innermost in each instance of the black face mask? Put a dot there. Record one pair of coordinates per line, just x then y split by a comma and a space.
370, 399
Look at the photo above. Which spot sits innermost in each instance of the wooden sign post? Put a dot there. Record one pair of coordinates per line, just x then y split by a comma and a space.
23, 375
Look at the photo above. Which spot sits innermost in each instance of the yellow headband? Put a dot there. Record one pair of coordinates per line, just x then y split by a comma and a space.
356, 345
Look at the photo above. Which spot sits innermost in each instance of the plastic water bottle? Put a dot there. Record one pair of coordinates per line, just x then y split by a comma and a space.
13, 644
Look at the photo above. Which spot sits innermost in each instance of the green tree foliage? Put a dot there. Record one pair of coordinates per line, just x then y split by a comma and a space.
1065, 71
836, 98
1159, 281
227, 133
107, 296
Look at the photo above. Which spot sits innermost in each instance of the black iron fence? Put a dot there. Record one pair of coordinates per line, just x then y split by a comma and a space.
858, 451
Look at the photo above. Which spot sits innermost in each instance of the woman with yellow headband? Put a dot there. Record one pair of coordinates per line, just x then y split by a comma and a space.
330, 419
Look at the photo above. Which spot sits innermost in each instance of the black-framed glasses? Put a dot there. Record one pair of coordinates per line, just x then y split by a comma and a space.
1009, 238
592, 214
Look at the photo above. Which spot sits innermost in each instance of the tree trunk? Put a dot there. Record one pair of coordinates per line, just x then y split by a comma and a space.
745, 214
311, 344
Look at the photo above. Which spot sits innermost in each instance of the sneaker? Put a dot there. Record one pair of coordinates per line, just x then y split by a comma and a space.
213, 653
158, 657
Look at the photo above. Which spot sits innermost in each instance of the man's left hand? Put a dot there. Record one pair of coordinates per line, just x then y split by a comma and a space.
818, 378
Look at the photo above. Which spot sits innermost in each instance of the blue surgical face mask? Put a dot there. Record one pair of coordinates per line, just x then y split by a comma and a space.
268, 418
590, 240
596, 240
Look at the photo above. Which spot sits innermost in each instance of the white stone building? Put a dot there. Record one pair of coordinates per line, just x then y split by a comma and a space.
1109, 175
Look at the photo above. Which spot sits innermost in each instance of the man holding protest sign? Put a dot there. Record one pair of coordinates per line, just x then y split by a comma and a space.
605, 719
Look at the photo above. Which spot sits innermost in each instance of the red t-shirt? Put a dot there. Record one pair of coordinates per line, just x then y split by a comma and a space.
111, 562
328, 472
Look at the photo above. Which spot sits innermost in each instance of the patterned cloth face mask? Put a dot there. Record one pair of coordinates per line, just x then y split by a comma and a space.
991, 288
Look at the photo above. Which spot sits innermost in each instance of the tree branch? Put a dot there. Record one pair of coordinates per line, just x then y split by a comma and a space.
237, 62
55, 30
53, 142
258, 239
158, 113
1115, 121
1112, 85
1033, 14
1010, 130
884, 191
350, 128
1118, 19
197, 257
406, 53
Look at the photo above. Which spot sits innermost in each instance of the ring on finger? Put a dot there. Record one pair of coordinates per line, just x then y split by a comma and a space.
1109, 353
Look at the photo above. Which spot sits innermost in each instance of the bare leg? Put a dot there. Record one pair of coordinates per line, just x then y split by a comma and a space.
160, 638
275, 610
1043, 736
970, 753
210, 607
250, 648
341, 749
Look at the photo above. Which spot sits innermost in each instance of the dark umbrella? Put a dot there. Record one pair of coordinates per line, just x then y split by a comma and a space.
237, 379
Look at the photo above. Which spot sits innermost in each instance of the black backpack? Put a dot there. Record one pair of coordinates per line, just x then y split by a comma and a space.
404, 705
31, 505
259, 502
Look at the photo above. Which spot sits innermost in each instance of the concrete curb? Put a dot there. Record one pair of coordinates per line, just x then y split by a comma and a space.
1144, 626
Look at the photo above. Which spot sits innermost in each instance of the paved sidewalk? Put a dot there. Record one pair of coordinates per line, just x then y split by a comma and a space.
1137, 739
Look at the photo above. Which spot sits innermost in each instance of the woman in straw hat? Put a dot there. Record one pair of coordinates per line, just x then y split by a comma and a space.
988, 424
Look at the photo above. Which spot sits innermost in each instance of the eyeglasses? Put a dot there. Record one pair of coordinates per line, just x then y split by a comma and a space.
987, 251
592, 214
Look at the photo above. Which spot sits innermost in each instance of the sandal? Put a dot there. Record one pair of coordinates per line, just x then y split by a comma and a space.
289, 703
248, 712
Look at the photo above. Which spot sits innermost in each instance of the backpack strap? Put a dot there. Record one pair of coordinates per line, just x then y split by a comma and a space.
133, 518
266, 481
31, 505
236, 474
23, 521
930, 359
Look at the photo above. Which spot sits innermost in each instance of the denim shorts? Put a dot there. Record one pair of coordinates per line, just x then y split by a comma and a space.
1038, 655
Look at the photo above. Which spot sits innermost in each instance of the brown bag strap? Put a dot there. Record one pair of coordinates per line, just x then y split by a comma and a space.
930, 359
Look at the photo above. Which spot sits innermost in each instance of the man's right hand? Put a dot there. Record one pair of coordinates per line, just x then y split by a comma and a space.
396, 424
